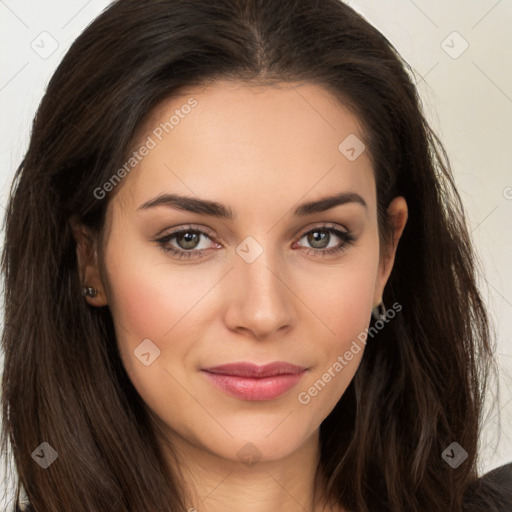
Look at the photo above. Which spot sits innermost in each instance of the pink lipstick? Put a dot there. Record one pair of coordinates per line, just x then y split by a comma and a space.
249, 381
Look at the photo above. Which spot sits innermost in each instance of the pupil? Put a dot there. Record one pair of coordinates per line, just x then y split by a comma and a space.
318, 236
190, 240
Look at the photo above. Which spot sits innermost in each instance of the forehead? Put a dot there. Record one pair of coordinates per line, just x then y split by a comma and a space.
276, 142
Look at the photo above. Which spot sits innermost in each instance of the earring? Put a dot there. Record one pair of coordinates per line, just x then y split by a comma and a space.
379, 312
91, 292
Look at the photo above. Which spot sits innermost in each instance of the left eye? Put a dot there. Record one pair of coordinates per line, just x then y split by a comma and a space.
319, 237
187, 241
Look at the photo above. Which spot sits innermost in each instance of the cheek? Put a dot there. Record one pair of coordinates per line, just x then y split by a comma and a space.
150, 297
344, 302
150, 301
166, 304
141, 309
343, 305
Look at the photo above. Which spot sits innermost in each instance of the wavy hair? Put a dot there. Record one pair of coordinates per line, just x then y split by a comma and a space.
422, 380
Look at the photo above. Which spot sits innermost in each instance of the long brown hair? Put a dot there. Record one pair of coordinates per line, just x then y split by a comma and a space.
422, 380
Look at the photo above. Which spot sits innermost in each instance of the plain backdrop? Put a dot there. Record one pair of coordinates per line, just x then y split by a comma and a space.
461, 53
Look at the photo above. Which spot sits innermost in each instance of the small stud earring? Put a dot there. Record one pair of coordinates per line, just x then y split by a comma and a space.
379, 312
91, 292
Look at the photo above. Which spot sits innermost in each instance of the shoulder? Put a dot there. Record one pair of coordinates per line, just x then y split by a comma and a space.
491, 492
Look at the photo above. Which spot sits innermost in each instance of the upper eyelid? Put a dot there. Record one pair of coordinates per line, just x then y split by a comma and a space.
301, 233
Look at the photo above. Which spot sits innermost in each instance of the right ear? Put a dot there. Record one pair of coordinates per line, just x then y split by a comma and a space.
87, 256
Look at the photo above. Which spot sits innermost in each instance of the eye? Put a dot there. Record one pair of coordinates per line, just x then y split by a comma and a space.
187, 240
320, 236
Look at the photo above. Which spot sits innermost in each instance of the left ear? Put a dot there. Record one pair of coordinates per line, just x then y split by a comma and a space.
397, 212
87, 258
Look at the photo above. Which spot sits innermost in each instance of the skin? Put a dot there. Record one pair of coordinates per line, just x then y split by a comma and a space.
261, 151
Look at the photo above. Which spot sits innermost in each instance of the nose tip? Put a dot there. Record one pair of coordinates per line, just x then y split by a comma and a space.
260, 301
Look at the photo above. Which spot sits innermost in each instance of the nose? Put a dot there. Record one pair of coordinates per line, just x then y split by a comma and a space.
260, 300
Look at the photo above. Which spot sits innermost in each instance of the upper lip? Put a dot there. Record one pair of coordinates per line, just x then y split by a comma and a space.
246, 369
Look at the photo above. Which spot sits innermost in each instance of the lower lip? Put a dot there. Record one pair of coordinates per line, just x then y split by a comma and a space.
249, 388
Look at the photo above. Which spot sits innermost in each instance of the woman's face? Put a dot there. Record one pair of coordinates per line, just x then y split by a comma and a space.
279, 279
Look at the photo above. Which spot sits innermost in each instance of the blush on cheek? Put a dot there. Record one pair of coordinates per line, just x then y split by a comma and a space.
159, 306
140, 311
347, 313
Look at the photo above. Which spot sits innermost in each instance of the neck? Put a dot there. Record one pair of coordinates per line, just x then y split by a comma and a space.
217, 484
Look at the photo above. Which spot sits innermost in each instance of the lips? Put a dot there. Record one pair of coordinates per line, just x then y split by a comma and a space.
245, 369
248, 381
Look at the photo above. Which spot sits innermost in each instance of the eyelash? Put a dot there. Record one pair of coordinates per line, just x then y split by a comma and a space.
346, 236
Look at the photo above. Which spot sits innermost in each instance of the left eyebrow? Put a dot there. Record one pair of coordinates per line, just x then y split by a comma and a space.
329, 202
215, 209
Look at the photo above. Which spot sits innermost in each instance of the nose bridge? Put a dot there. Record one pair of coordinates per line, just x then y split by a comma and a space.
261, 300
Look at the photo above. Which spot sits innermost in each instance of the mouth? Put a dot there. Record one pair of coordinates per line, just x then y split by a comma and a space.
248, 381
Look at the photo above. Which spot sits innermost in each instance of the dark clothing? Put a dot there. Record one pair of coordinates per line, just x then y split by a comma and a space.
492, 492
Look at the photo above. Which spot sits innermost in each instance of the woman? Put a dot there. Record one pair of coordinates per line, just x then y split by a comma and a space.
245, 279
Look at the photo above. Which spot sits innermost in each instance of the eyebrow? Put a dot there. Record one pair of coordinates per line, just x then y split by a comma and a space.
215, 209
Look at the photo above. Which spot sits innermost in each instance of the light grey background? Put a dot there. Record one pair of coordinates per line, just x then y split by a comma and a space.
462, 54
